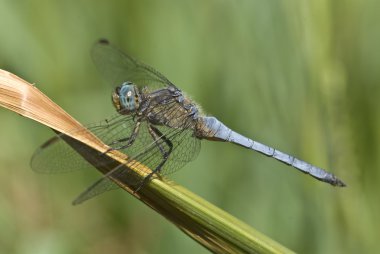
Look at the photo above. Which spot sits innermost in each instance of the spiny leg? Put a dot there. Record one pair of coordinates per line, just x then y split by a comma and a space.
131, 139
157, 135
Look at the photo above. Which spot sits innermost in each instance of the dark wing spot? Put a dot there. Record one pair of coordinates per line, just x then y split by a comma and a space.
103, 41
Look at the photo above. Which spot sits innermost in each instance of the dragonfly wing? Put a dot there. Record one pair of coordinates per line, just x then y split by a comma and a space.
146, 151
56, 156
97, 188
117, 67
150, 157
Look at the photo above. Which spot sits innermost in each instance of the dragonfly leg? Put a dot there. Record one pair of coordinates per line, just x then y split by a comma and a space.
130, 139
157, 135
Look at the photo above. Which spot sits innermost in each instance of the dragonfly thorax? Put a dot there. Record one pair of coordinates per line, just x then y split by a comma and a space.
126, 98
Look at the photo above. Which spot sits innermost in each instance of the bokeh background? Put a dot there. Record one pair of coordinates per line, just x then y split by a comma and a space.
302, 76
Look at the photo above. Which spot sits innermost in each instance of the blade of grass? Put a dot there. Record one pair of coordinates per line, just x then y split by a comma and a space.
213, 228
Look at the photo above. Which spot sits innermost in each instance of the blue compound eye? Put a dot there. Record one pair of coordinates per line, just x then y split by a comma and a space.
126, 98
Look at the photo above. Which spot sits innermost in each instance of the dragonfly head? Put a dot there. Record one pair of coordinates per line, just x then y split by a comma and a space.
126, 98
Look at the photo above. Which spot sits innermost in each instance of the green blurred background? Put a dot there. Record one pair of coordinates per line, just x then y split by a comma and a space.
301, 76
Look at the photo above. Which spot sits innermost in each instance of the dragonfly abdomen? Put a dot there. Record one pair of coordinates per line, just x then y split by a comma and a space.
212, 129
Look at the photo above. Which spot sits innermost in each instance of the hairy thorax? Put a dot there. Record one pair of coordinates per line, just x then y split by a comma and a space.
178, 113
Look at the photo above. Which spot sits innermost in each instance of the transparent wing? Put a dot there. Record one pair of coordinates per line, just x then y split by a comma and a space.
117, 67
185, 148
56, 156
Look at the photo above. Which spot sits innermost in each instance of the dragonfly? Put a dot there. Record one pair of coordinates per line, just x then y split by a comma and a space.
156, 125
